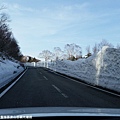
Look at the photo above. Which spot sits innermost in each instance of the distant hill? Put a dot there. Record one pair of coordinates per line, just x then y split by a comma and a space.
29, 59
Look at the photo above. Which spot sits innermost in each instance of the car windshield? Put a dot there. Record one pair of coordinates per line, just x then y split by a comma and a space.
60, 53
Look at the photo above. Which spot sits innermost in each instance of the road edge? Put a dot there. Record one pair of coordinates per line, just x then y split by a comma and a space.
87, 84
4, 89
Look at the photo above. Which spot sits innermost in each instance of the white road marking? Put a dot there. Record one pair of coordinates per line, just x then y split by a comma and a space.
12, 84
57, 88
86, 84
45, 77
64, 95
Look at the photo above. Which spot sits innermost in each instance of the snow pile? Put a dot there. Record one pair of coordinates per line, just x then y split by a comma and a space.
102, 69
8, 71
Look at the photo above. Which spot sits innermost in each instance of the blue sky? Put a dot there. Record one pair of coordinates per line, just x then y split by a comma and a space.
44, 24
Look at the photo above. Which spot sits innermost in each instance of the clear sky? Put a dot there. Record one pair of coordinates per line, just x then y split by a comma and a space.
44, 24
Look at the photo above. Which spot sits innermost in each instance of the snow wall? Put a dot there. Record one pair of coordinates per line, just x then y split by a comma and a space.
101, 69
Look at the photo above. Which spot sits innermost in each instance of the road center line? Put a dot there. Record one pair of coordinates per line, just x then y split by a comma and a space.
45, 77
60, 91
40, 73
100, 89
64, 95
57, 88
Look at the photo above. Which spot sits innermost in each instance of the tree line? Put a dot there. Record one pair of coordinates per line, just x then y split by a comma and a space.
73, 51
8, 44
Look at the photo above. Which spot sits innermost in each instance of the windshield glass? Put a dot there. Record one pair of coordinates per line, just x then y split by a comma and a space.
59, 53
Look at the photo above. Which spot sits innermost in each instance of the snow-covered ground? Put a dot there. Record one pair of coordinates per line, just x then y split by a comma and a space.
102, 69
8, 71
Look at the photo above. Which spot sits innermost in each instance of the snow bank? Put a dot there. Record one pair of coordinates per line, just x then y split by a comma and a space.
101, 69
8, 71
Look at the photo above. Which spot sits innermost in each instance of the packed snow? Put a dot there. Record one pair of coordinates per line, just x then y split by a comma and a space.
101, 69
8, 70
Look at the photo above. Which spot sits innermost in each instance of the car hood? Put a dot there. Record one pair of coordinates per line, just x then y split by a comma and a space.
60, 111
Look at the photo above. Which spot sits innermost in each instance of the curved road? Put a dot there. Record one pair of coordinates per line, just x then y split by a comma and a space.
39, 87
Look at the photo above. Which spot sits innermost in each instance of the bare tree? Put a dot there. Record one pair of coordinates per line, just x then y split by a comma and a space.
73, 50
118, 46
95, 48
98, 47
64, 56
88, 49
2, 7
46, 54
104, 43
57, 52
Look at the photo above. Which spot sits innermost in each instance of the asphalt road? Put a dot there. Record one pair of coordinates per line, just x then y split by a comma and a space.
39, 87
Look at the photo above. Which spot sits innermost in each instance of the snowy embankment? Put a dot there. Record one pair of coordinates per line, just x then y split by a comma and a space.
101, 69
8, 71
